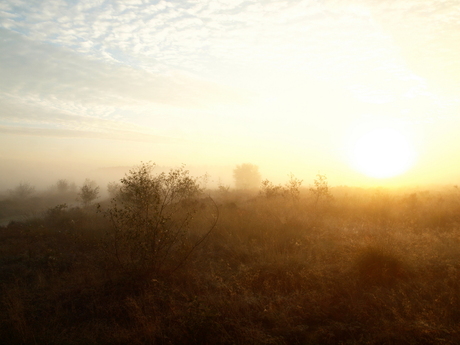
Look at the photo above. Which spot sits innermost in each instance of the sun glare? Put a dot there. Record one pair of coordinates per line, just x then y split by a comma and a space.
382, 153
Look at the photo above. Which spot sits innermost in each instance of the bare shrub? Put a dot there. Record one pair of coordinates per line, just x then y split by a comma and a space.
291, 190
270, 190
151, 217
292, 187
321, 190
22, 191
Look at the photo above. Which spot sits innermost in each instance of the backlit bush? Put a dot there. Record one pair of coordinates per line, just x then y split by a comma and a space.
151, 216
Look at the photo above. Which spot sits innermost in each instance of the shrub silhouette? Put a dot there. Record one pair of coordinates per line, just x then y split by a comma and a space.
113, 188
151, 216
289, 191
22, 191
273, 273
378, 266
64, 186
321, 190
270, 190
63, 218
88, 193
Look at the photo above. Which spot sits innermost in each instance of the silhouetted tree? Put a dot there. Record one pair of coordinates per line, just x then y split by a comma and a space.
22, 191
321, 189
151, 217
88, 193
270, 190
247, 176
64, 186
290, 190
113, 188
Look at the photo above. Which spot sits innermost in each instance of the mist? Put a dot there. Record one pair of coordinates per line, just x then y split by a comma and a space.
229, 172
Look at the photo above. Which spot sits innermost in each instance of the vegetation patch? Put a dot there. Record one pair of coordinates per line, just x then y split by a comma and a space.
166, 261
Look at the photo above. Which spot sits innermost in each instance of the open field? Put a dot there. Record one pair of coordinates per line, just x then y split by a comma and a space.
237, 94
366, 267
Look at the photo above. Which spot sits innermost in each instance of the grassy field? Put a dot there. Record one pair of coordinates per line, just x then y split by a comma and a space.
364, 267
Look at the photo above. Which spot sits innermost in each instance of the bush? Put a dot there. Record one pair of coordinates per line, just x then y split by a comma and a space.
62, 218
88, 193
321, 189
151, 216
290, 191
379, 267
22, 191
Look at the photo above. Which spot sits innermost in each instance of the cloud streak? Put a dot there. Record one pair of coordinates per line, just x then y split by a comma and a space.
35, 68
71, 133
218, 38
224, 70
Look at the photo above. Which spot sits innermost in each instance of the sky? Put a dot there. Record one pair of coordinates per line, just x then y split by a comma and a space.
290, 86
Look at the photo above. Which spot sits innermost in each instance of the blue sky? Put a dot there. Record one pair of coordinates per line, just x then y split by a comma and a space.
281, 84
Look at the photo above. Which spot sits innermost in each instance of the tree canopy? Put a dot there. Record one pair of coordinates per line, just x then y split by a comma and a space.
247, 176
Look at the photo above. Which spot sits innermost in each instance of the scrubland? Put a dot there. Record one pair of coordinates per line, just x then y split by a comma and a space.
365, 266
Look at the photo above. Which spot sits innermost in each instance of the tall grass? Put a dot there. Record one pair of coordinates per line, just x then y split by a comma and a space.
368, 267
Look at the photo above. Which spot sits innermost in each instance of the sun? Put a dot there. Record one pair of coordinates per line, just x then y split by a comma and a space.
382, 153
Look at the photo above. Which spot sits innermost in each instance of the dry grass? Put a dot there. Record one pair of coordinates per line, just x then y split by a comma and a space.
367, 268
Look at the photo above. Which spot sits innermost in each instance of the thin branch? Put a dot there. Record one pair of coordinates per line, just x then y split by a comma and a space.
202, 238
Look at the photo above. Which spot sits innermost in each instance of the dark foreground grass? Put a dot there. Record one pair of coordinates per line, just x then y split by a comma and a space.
377, 271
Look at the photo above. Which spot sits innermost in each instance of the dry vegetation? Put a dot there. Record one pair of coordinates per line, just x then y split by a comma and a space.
366, 267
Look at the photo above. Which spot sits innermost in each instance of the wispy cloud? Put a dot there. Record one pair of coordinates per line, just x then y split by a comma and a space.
214, 37
47, 85
78, 133
221, 39
222, 69
35, 68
